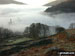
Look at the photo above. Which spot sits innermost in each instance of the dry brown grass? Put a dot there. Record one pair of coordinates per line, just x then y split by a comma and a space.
60, 40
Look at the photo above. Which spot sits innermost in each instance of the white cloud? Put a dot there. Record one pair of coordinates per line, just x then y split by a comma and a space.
10, 1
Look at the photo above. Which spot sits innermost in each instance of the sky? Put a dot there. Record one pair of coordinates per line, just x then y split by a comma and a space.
29, 2
21, 15
24, 15
35, 2
12, 9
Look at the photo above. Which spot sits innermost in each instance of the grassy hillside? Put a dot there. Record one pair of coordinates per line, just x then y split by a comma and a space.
61, 42
19, 40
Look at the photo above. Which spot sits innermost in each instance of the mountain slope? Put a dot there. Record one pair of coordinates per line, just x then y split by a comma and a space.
61, 42
66, 7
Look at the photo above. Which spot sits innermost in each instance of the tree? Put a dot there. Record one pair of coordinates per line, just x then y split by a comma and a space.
5, 34
26, 31
72, 26
45, 30
59, 29
32, 30
37, 30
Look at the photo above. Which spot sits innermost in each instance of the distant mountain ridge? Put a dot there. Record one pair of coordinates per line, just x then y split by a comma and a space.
10, 1
66, 7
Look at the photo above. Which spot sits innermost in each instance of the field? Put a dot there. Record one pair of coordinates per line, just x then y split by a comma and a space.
18, 40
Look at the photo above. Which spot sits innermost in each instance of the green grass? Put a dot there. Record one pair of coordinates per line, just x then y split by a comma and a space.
18, 40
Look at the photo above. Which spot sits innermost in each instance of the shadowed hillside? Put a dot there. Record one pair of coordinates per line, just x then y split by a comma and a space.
64, 7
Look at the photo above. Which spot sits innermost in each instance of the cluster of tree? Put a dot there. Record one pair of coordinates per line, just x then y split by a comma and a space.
59, 29
72, 26
36, 30
6, 34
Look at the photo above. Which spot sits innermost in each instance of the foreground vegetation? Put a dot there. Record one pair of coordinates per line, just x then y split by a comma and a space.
61, 42
30, 43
